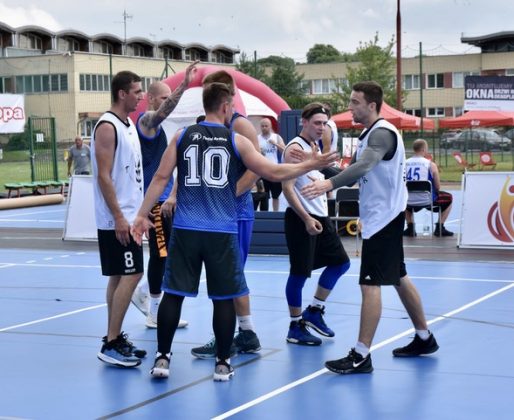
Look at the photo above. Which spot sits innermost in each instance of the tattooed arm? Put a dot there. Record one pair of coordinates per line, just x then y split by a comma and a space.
152, 119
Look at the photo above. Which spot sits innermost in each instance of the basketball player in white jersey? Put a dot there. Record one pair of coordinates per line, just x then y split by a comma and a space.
379, 166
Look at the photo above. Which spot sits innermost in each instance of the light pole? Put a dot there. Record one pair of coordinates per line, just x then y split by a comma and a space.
398, 57
125, 17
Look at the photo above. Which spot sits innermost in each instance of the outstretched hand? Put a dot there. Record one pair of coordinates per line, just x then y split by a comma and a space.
322, 160
140, 226
316, 188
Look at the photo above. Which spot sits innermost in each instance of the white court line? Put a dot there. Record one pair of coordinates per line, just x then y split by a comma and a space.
300, 381
37, 321
29, 264
32, 220
34, 212
5, 265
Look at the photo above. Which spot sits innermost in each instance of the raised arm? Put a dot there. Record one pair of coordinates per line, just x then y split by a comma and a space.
152, 119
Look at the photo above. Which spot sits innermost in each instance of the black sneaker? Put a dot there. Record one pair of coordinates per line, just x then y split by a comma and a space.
417, 347
353, 363
115, 353
409, 231
246, 341
139, 353
440, 230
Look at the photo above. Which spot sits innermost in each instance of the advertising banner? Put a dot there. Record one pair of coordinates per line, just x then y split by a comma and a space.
484, 93
487, 219
12, 113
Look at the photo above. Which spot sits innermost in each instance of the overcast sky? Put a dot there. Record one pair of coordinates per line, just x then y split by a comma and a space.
288, 27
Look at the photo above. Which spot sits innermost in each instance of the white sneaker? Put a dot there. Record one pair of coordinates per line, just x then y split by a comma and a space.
140, 300
151, 321
161, 366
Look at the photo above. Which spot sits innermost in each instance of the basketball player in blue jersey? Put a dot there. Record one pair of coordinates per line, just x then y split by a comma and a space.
209, 158
379, 166
153, 140
246, 340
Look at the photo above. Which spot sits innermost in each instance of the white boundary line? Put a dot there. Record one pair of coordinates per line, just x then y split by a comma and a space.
37, 321
300, 381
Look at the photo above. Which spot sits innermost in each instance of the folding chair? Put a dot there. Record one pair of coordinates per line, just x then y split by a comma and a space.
463, 163
347, 211
420, 197
486, 159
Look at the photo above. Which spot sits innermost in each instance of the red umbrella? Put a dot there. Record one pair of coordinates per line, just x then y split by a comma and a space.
399, 119
479, 119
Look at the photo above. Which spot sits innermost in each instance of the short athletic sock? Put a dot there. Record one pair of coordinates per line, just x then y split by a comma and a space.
154, 305
423, 334
296, 318
317, 303
245, 322
362, 349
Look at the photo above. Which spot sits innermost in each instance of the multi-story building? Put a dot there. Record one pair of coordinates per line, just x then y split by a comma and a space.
67, 74
441, 78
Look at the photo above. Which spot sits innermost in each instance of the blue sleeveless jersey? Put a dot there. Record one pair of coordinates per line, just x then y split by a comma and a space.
208, 167
152, 149
245, 209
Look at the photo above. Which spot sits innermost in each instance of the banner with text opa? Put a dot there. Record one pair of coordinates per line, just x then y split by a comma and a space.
12, 113
495, 93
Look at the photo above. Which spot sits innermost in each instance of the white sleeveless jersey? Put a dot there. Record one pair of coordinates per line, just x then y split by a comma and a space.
318, 205
383, 194
417, 168
270, 150
333, 140
126, 173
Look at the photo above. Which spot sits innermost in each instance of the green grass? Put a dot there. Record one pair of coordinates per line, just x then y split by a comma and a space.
20, 172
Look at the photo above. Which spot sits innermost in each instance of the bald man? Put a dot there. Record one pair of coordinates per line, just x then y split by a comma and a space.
272, 146
153, 140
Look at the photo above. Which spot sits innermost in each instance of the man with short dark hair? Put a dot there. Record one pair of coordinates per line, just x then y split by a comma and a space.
379, 166
118, 193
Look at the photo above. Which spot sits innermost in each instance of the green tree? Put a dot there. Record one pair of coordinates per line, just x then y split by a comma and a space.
285, 81
324, 53
372, 62
251, 67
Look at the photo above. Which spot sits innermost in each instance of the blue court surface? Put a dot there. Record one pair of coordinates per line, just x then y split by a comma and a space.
53, 315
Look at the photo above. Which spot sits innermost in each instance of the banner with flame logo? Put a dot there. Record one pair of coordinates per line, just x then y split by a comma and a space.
487, 210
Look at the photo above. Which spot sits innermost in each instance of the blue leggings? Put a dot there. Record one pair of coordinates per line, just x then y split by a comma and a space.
327, 280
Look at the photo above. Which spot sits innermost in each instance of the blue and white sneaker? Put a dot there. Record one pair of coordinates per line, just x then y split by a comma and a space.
313, 317
299, 334
116, 353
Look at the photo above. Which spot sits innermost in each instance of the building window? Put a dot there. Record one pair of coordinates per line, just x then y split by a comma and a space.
509, 72
457, 111
411, 82
325, 86
86, 127
458, 78
435, 81
415, 112
435, 112
35, 42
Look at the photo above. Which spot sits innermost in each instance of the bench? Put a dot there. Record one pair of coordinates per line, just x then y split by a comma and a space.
35, 187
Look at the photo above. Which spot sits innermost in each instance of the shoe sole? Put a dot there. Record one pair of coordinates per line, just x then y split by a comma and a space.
182, 324
115, 362
315, 328
218, 377
302, 343
348, 371
248, 351
150, 325
416, 354
160, 372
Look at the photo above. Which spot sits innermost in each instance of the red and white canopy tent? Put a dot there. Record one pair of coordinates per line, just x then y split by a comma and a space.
253, 99
399, 119
479, 119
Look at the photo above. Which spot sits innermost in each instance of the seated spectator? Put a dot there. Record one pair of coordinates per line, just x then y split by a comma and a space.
419, 168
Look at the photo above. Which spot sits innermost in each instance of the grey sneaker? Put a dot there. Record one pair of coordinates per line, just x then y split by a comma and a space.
140, 300
246, 341
115, 353
208, 350
223, 371
161, 366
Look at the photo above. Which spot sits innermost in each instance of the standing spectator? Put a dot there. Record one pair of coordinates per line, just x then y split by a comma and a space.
311, 238
419, 168
118, 193
379, 166
272, 146
80, 155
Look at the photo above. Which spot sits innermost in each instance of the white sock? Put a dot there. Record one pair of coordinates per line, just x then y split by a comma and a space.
154, 305
362, 349
245, 322
423, 334
296, 318
317, 303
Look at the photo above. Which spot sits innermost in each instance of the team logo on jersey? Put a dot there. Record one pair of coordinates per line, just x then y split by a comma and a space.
196, 136
500, 219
